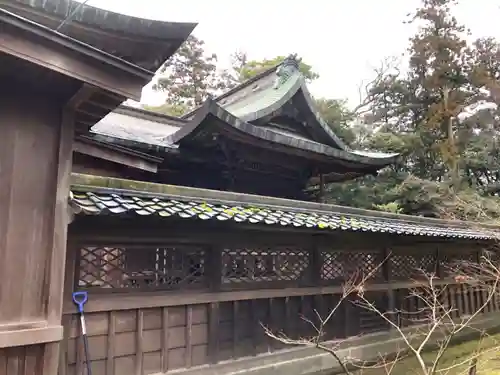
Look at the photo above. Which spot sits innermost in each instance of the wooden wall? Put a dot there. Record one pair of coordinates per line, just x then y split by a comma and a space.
35, 162
141, 341
21, 360
150, 340
139, 326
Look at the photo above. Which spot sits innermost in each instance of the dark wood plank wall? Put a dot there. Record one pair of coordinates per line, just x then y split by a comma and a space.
35, 162
21, 360
153, 327
151, 340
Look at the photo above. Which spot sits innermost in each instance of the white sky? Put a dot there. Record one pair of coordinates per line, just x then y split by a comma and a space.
342, 39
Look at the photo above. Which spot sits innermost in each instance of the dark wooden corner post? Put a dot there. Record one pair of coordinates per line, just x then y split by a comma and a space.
214, 275
35, 168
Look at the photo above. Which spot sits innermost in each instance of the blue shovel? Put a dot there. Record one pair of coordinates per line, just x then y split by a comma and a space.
80, 298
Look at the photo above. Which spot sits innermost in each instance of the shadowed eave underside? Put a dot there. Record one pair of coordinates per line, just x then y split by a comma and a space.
142, 42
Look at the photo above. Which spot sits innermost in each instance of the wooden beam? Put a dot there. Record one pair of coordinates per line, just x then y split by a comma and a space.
107, 301
106, 153
29, 334
82, 95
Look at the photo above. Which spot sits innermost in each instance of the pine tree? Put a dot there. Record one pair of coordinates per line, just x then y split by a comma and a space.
190, 76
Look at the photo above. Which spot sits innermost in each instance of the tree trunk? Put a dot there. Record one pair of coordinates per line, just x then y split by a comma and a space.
452, 152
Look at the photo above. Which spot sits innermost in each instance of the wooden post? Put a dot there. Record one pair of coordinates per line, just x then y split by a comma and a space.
321, 198
314, 273
35, 166
214, 260
391, 296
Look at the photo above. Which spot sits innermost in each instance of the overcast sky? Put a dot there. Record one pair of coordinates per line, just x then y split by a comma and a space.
342, 39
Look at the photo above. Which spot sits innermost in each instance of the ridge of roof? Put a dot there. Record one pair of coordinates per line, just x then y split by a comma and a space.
267, 100
249, 81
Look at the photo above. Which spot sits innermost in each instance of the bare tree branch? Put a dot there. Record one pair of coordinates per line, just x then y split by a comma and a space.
435, 324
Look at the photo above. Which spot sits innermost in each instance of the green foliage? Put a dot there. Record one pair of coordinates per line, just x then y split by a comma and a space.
190, 76
450, 162
175, 110
336, 114
391, 207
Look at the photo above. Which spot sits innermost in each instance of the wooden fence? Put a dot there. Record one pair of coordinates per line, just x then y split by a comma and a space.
159, 307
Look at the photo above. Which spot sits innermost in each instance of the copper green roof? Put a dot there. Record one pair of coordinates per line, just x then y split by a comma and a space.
174, 202
244, 114
211, 110
270, 92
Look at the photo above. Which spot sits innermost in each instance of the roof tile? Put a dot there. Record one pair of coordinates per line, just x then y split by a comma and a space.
94, 203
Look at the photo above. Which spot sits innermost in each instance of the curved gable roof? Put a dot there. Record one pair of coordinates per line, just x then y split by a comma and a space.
211, 110
264, 95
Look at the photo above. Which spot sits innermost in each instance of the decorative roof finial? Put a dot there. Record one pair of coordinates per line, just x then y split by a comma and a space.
291, 61
289, 66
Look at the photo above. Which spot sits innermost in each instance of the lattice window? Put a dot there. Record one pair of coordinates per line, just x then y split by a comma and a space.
449, 261
264, 264
141, 267
341, 266
407, 266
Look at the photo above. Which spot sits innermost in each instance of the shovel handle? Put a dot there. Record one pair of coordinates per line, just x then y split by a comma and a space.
79, 299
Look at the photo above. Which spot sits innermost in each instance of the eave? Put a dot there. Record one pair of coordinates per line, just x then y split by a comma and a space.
233, 127
116, 154
137, 128
30, 49
142, 42
80, 48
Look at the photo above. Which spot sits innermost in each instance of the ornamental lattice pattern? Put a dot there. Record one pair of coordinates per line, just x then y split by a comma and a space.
340, 266
141, 267
264, 264
408, 266
449, 260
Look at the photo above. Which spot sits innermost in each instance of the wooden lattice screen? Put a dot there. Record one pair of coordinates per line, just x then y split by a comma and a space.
340, 266
191, 266
411, 266
264, 265
141, 267
303, 286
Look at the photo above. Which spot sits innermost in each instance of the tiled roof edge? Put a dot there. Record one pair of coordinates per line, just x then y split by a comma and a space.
124, 187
